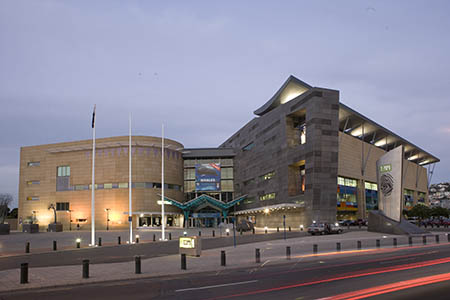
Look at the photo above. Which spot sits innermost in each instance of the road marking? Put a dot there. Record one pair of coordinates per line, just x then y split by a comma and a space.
215, 286
267, 261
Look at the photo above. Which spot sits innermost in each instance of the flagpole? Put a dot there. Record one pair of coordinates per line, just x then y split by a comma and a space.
163, 236
93, 182
130, 217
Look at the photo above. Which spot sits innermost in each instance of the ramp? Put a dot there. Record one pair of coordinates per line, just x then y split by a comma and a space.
379, 222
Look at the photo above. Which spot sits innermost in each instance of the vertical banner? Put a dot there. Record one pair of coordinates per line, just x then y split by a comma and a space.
390, 183
207, 177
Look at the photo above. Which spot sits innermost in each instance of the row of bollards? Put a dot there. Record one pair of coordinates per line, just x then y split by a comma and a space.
138, 270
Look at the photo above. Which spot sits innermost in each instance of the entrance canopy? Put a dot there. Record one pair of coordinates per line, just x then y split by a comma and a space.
203, 200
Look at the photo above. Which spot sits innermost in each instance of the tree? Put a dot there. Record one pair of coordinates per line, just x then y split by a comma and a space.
5, 201
439, 212
13, 213
420, 211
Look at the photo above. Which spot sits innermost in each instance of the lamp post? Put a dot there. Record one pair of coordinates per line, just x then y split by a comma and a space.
70, 218
107, 218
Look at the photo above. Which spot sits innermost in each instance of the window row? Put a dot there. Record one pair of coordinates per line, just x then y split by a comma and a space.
267, 176
347, 181
226, 162
63, 171
34, 163
124, 185
265, 197
225, 185
33, 182
62, 206
225, 173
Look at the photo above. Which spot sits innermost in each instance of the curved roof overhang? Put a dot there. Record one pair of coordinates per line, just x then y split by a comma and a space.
357, 125
202, 199
292, 88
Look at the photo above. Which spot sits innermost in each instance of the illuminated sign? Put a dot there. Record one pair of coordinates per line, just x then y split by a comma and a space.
207, 177
187, 242
385, 168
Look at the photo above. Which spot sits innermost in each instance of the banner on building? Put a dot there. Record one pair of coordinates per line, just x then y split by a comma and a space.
207, 177
390, 183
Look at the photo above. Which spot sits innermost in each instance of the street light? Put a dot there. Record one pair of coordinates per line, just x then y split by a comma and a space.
107, 218
70, 218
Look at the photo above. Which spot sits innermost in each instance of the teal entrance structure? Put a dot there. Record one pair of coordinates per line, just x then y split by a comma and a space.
196, 207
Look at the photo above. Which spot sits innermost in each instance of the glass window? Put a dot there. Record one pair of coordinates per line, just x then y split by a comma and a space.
81, 187
189, 186
346, 198
123, 185
227, 161
226, 185
63, 171
62, 206
421, 197
267, 176
227, 173
156, 185
33, 182
249, 200
139, 185
33, 198
34, 163
265, 197
249, 181
248, 147
107, 185
189, 174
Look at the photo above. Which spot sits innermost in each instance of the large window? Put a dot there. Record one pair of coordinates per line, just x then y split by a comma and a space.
248, 147
227, 185
34, 163
63, 171
265, 197
421, 197
371, 190
227, 173
409, 198
62, 206
267, 176
346, 195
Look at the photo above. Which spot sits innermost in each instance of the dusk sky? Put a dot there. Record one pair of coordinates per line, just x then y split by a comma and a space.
203, 67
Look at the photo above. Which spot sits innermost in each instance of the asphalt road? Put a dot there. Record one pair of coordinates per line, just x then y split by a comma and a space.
401, 273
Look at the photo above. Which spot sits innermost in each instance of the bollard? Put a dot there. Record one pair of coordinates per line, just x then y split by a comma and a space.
257, 256
448, 237
288, 252
24, 273
199, 233
86, 268
424, 239
214, 233
315, 248
170, 236
410, 241
27, 247
137, 239
359, 245
253, 230
338, 247
99, 241
154, 237
78, 243
240, 232
378, 243
265, 231
437, 238
118, 240
223, 261
54, 246
137, 264
278, 229
394, 242
183, 261
289, 228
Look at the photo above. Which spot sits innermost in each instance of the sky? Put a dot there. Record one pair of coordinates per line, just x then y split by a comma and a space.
203, 67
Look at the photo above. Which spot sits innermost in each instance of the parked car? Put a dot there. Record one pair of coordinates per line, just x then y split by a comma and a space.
335, 228
244, 225
316, 228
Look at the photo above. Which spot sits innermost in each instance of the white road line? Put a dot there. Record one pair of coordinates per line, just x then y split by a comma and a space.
215, 286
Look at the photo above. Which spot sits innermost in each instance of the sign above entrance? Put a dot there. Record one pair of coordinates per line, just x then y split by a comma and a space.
207, 177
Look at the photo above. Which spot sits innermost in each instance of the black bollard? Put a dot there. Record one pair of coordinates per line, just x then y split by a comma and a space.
437, 238
183, 261
394, 242
253, 230
223, 261
170, 236
154, 238
410, 241
289, 228
288, 252
27, 247
199, 233
78, 243
240, 232
86, 268
137, 239
118, 240
338, 247
424, 239
378, 243
99, 241
24, 273
315, 248
214, 233
278, 229
359, 245
137, 264
54, 246
448, 237
265, 231
257, 256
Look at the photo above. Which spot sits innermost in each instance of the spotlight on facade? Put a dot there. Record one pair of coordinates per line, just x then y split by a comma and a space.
301, 227
78, 240
336, 224
314, 221
185, 233
141, 215
265, 229
137, 236
266, 210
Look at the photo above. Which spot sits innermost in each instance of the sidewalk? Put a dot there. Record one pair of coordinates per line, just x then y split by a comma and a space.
272, 252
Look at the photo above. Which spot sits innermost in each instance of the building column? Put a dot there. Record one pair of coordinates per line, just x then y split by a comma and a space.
361, 199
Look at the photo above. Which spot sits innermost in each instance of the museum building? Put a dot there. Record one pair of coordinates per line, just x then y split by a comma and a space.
304, 157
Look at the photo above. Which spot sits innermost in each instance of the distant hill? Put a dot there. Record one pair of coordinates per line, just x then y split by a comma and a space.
439, 194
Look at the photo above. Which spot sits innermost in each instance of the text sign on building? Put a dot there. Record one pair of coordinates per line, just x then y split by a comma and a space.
390, 183
187, 242
207, 177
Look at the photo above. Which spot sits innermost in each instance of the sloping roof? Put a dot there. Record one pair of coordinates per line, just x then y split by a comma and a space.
205, 198
355, 124
292, 88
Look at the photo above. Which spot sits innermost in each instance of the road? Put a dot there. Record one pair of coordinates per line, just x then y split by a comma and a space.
397, 273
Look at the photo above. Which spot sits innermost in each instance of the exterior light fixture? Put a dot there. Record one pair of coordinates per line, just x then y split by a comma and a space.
336, 224
314, 221
227, 230
141, 215
78, 240
265, 229
266, 210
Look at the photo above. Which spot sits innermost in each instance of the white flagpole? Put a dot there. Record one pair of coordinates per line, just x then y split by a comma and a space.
130, 217
163, 236
93, 182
